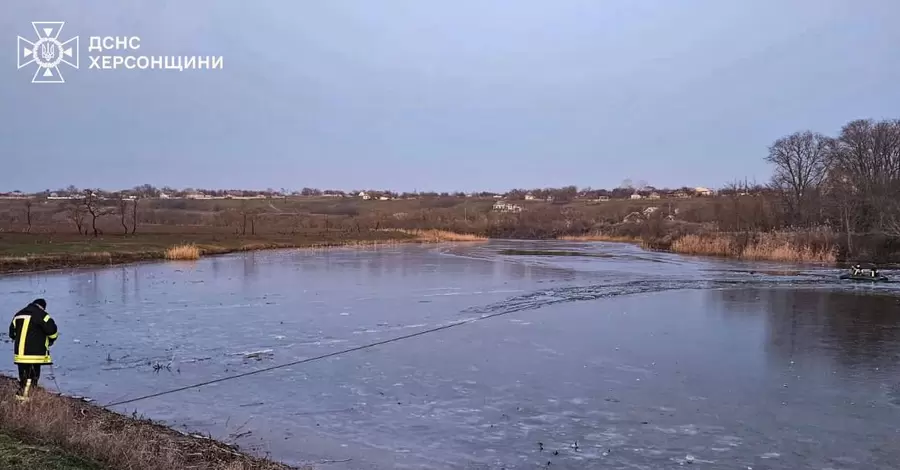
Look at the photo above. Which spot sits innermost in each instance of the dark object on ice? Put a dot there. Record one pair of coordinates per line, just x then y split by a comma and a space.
864, 275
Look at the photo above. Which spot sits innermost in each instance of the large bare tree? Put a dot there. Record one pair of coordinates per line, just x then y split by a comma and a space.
92, 205
867, 155
802, 161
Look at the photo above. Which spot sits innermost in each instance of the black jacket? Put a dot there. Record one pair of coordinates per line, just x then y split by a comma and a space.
33, 332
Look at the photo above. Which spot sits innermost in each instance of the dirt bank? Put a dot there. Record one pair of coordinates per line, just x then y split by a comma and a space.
52, 431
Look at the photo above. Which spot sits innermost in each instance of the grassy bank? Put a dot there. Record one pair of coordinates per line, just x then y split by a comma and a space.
16, 454
53, 432
33, 252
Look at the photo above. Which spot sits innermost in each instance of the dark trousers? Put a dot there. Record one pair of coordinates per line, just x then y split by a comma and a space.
26, 372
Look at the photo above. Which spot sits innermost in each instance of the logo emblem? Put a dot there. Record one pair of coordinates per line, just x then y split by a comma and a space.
48, 52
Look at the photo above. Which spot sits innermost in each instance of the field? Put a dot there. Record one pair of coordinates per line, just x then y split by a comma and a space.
59, 235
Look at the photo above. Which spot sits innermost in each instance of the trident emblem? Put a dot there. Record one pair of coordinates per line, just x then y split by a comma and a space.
48, 51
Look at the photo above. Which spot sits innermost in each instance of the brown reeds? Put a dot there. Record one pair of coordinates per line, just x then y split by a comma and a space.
600, 237
183, 252
112, 440
439, 236
800, 247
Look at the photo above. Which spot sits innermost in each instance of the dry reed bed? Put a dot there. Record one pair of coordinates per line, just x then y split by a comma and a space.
438, 236
600, 237
183, 252
112, 440
774, 246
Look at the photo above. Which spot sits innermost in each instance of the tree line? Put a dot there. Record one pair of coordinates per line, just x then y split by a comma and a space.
849, 182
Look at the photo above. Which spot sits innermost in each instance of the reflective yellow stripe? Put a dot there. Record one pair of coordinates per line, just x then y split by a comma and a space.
19, 359
46, 318
54, 335
23, 335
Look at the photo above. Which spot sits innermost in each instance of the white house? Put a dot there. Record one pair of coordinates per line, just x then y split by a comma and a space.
364, 195
636, 196
701, 191
529, 197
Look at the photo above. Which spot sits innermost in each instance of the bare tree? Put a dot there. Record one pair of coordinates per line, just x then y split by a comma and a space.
123, 213
92, 205
76, 212
801, 164
248, 217
134, 215
253, 216
28, 205
867, 153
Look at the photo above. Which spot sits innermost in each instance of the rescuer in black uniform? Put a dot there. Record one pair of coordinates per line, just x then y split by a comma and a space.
33, 331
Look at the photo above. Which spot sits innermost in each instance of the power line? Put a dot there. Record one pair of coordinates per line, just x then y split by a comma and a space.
307, 360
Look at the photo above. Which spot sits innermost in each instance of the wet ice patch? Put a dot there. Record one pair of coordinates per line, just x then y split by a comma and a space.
608, 438
730, 441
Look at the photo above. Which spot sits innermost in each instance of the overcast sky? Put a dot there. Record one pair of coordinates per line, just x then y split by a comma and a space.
442, 95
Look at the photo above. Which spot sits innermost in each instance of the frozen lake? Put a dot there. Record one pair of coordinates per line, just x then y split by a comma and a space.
641, 358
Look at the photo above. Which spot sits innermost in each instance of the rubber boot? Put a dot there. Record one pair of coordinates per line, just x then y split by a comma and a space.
23, 397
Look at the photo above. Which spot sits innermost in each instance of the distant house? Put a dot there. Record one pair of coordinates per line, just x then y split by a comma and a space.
602, 199
636, 196
364, 195
653, 195
681, 195
196, 196
529, 197
549, 198
503, 206
498, 196
701, 191
384, 198
164, 196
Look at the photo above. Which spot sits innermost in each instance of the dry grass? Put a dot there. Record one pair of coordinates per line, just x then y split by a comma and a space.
707, 245
36, 252
112, 440
183, 252
439, 236
600, 237
798, 247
